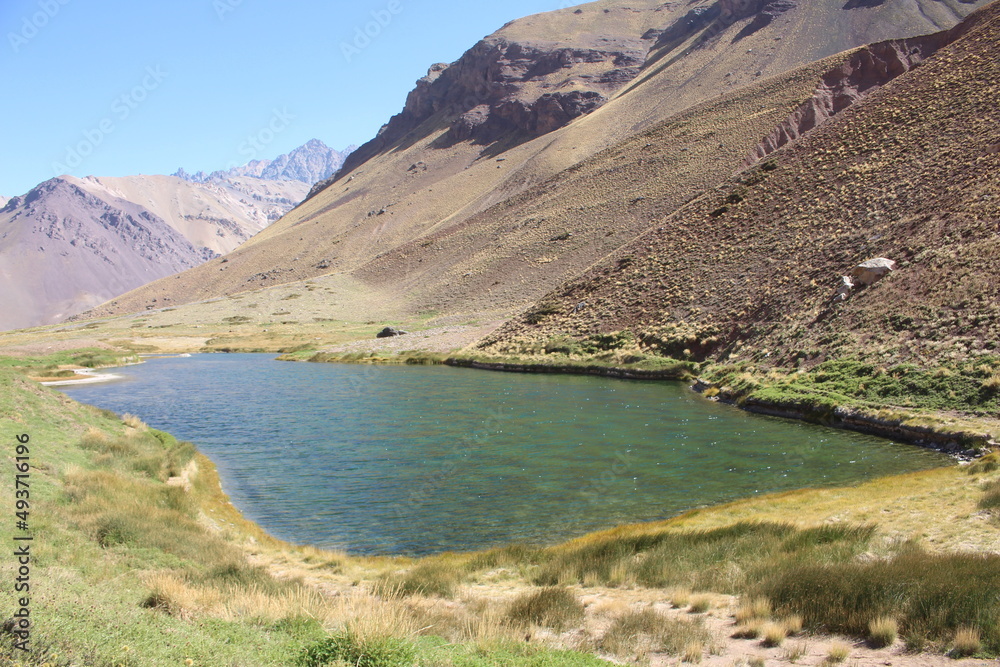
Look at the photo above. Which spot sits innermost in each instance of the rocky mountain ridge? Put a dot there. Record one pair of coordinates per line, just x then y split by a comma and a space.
311, 162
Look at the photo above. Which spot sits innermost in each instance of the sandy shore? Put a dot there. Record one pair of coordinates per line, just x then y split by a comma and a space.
87, 376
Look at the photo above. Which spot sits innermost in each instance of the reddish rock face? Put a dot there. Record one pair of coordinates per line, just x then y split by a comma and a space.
497, 89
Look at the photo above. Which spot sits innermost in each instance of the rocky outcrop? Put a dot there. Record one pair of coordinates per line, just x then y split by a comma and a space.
712, 19
865, 71
503, 88
391, 332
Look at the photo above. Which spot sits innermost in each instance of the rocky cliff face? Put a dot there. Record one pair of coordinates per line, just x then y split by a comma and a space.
864, 71
510, 90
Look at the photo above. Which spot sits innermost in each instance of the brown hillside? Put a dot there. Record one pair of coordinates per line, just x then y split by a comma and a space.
910, 173
427, 215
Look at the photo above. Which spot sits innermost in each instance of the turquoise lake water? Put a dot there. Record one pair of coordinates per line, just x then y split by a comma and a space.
423, 459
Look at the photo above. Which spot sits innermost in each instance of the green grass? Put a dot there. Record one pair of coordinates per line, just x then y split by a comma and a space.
851, 382
346, 648
49, 364
654, 365
350, 649
405, 357
930, 595
104, 519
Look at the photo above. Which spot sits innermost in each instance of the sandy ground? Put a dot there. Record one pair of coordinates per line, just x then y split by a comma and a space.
87, 376
438, 340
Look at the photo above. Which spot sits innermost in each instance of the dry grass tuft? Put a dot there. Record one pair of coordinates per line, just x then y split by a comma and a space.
749, 630
693, 652
883, 631
552, 607
680, 598
796, 651
967, 642
637, 633
700, 604
773, 634
134, 422
753, 609
838, 652
793, 624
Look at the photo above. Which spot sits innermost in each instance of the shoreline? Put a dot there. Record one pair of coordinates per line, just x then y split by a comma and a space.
91, 376
962, 445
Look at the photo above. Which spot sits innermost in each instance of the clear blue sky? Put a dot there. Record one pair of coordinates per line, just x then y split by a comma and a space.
115, 87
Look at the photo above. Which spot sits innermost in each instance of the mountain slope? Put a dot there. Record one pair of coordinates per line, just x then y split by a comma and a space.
750, 269
122, 233
422, 182
217, 214
62, 249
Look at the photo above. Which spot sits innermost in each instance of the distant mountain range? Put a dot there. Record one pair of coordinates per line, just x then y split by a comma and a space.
72, 243
312, 162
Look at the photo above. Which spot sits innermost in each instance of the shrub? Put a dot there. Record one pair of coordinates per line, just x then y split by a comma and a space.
773, 634
430, 579
838, 652
966, 642
551, 607
882, 631
348, 647
700, 604
991, 496
638, 632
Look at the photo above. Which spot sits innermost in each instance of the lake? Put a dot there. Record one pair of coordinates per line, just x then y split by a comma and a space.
423, 459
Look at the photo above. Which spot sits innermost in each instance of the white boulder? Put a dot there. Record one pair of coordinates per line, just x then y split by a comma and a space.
872, 271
